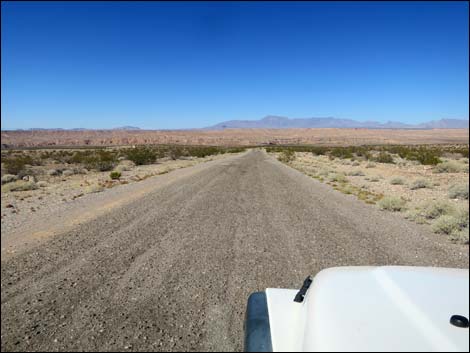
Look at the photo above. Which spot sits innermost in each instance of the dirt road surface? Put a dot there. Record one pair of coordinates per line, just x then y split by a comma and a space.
172, 269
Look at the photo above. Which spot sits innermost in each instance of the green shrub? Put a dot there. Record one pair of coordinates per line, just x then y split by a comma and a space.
397, 181
458, 191
384, 157
115, 175
16, 164
341, 152
141, 155
392, 203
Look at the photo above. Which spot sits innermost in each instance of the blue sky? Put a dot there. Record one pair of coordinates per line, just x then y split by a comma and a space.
183, 65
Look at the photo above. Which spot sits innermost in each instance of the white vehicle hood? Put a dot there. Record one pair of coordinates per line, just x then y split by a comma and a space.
373, 309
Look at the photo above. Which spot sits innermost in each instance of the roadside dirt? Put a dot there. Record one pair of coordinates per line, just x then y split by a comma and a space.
172, 269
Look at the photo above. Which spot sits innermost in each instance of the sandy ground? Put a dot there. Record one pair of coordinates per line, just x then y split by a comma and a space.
377, 177
172, 269
234, 137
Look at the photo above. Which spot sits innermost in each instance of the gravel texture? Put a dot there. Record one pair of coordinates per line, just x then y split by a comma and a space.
172, 269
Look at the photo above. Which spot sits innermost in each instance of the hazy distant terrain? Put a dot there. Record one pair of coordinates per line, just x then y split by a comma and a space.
279, 122
231, 137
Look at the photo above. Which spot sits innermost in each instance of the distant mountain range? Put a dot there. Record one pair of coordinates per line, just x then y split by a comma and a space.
128, 128
279, 122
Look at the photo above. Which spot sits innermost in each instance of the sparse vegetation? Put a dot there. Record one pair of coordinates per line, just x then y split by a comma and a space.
287, 156
19, 185
392, 203
384, 157
397, 181
438, 208
451, 167
8, 178
93, 188
420, 184
356, 173
458, 191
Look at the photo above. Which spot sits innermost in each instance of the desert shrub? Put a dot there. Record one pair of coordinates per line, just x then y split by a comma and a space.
176, 152
437, 209
392, 203
451, 167
458, 191
287, 156
445, 224
8, 178
397, 181
68, 172
337, 177
356, 173
19, 185
341, 152
460, 236
53, 172
383, 157
141, 155
420, 184
115, 175
416, 216
16, 164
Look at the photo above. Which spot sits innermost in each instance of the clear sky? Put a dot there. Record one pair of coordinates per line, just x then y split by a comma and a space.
183, 65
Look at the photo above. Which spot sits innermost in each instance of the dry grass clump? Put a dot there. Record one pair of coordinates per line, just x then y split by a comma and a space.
451, 167
392, 203
458, 191
397, 181
356, 173
8, 178
93, 188
19, 185
420, 184
337, 177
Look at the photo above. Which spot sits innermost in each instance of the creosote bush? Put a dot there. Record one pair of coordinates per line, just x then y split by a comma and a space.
115, 175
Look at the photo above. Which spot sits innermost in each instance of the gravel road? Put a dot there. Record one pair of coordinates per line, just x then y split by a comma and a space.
172, 269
